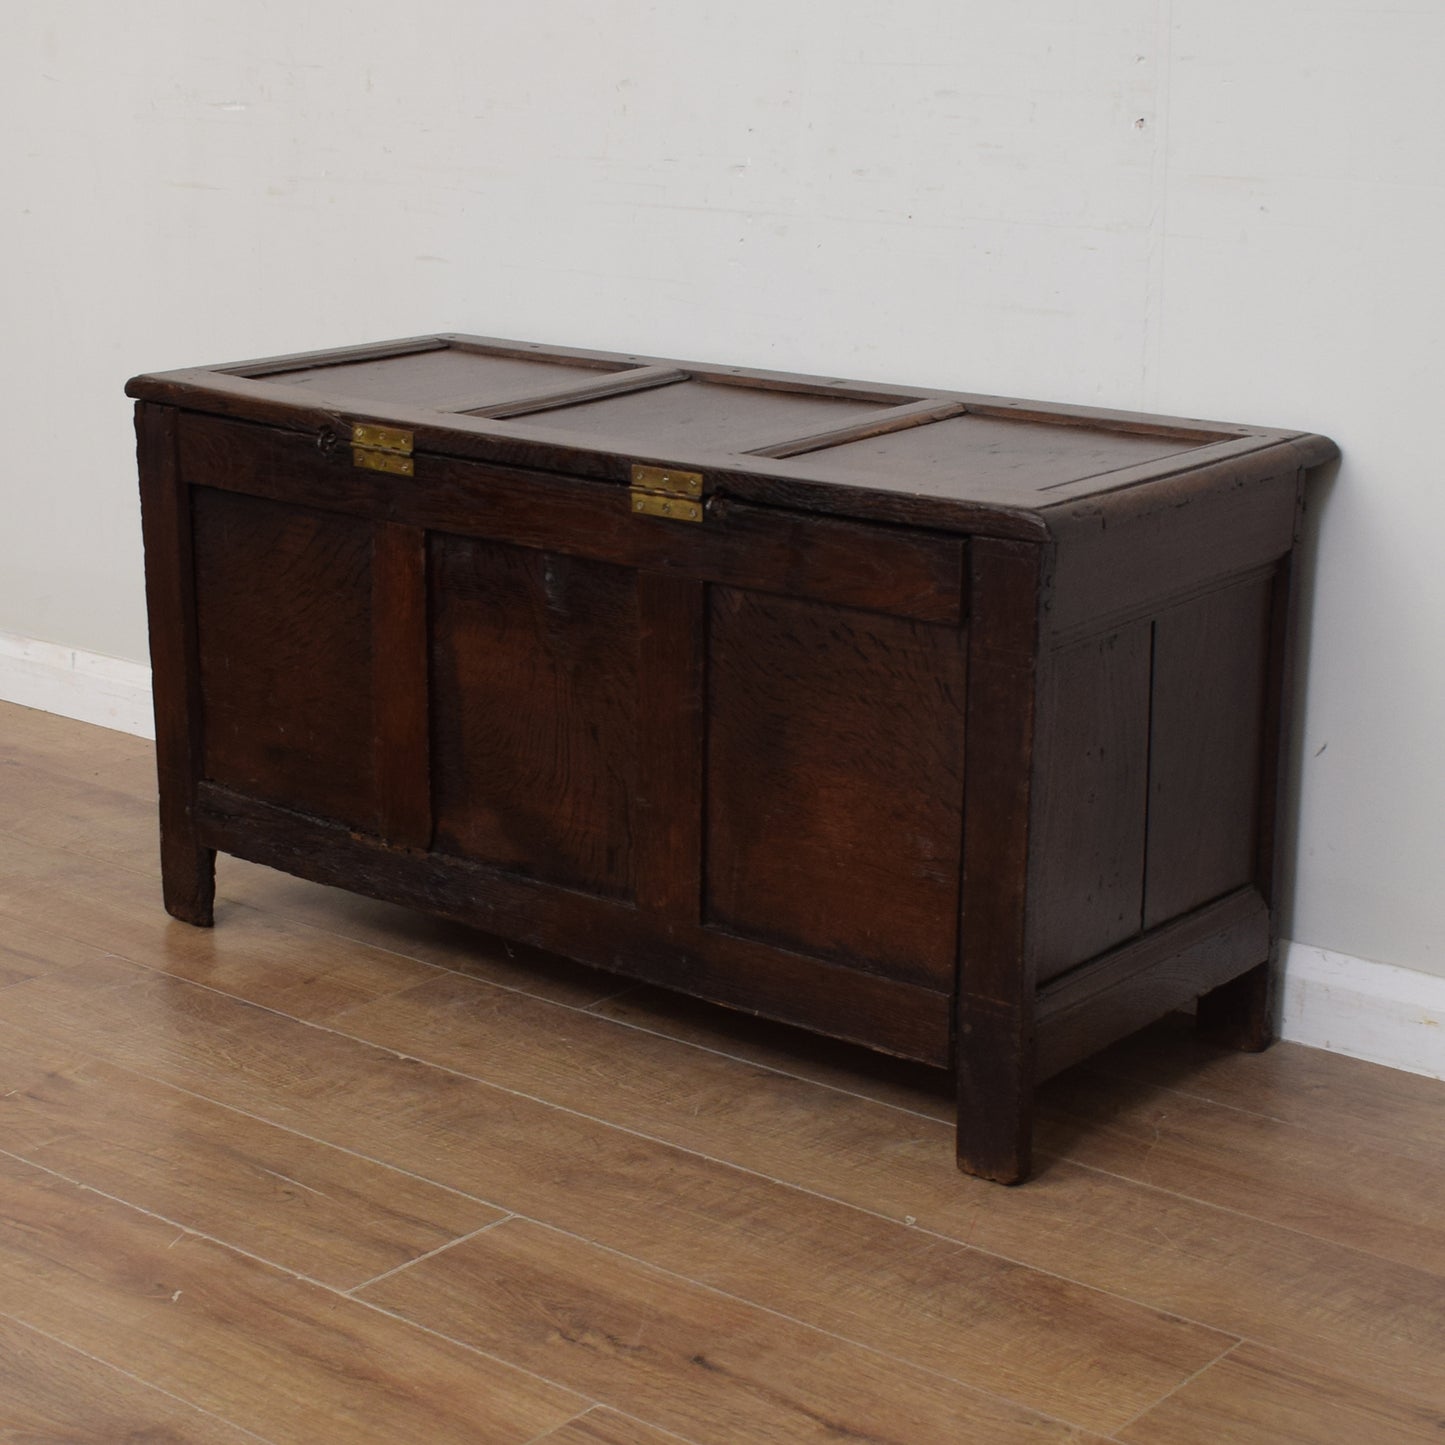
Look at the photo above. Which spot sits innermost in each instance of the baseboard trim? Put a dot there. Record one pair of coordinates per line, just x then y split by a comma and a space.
73, 683
1375, 1011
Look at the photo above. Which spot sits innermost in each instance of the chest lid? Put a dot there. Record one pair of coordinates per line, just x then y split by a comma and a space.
945, 459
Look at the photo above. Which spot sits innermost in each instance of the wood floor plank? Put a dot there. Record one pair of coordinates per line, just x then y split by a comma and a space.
1339, 1097
77, 750
415, 935
27, 952
1366, 1197
1259, 1397
59, 811
601, 1426
291, 1360
1314, 1296
280, 965
51, 1394
1035, 1338
306, 1206
711, 1368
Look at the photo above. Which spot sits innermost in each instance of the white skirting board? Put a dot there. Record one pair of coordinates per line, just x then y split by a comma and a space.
1393, 1016
83, 685
1375, 1011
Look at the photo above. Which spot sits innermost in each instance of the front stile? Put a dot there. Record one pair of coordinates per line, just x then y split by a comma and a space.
188, 870
995, 1034
671, 724
400, 691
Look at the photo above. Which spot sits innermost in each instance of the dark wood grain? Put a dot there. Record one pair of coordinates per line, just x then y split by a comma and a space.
667, 806
286, 664
914, 574
400, 685
835, 783
945, 698
900, 1018
188, 869
1241, 1013
1093, 761
1211, 657
535, 675
1098, 1002
994, 999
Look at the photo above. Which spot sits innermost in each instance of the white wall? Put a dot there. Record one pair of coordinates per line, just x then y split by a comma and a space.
1220, 208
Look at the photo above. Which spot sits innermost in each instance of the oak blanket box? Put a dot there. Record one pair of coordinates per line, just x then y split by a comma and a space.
952, 725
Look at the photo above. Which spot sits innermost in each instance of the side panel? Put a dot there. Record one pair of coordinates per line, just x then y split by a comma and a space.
1210, 661
835, 782
1093, 763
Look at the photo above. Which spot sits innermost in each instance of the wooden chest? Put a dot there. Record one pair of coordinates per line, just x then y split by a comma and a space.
948, 724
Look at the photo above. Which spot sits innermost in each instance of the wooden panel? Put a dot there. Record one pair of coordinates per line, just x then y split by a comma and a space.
835, 782
915, 574
699, 416
902, 1018
535, 683
449, 376
284, 616
994, 454
1089, 879
1210, 658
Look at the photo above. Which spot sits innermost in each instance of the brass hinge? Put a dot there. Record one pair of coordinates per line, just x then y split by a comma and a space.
382, 449
666, 492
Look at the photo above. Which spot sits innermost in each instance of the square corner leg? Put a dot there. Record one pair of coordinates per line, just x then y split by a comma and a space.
1240, 1014
188, 879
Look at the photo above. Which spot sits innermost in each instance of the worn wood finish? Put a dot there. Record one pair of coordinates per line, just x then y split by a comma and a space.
401, 729
672, 723
994, 1038
1211, 657
189, 870
836, 744
912, 574
938, 701
902, 1017
1095, 752
534, 664
285, 655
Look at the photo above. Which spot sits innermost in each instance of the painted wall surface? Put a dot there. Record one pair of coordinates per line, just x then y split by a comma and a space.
1223, 209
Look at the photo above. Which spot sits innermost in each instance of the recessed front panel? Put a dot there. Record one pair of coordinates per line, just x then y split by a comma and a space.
835, 782
534, 705
284, 624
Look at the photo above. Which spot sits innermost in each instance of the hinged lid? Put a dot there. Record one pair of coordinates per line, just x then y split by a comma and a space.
950, 460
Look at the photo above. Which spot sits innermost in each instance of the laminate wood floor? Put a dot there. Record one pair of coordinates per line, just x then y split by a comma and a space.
337, 1172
